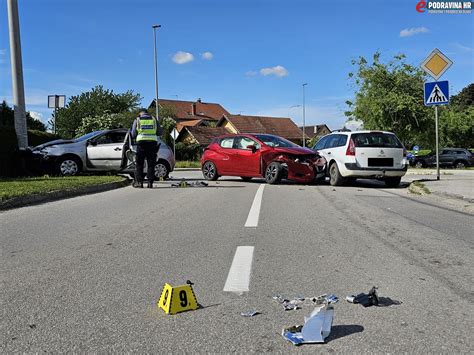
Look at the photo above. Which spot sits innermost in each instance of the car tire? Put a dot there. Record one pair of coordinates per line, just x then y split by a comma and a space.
69, 166
393, 181
209, 171
273, 173
459, 164
335, 177
419, 164
246, 178
162, 170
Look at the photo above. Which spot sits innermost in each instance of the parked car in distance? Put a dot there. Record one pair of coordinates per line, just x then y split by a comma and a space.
261, 155
448, 157
363, 154
99, 151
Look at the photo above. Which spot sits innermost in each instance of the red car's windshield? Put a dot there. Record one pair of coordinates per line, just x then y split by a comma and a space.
274, 141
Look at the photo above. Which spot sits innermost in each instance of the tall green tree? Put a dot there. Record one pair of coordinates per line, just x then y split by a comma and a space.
7, 118
96, 102
456, 120
389, 96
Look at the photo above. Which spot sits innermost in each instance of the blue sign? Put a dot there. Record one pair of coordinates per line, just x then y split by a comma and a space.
437, 93
416, 148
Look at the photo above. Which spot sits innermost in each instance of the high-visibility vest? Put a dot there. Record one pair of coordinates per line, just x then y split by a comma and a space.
146, 129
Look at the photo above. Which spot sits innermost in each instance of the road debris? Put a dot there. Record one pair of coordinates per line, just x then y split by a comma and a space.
317, 326
296, 303
249, 313
366, 300
184, 183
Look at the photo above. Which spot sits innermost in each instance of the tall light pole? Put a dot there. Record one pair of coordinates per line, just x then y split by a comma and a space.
156, 71
17, 75
304, 116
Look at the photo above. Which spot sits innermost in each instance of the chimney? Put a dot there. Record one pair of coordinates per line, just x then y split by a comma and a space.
193, 111
199, 100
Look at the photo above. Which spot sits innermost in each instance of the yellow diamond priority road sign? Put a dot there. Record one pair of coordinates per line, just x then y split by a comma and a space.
436, 64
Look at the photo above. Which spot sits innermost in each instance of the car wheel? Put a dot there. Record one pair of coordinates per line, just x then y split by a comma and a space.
161, 170
273, 173
69, 166
459, 164
419, 164
246, 178
335, 177
209, 171
393, 181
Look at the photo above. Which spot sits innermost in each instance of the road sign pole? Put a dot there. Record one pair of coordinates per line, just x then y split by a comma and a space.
437, 142
174, 148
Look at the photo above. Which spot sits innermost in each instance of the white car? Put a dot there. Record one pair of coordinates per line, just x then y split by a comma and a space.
363, 154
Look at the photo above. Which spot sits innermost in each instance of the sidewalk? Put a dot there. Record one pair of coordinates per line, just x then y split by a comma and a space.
453, 183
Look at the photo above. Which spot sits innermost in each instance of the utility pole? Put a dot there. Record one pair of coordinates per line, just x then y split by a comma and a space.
155, 27
17, 75
304, 117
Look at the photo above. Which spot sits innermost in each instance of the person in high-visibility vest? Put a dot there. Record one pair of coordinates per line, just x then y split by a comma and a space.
145, 131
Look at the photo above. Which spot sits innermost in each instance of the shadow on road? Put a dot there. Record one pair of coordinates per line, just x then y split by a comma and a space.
387, 302
340, 331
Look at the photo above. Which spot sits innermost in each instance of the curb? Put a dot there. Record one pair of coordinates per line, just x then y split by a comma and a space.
24, 201
454, 196
187, 169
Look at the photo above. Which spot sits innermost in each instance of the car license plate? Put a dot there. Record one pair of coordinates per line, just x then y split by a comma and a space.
380, 162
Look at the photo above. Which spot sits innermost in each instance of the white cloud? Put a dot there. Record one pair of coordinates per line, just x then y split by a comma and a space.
354, 125
407, 32
183, 57
36, 115
278, 70
207, 56
251, 73
461, 47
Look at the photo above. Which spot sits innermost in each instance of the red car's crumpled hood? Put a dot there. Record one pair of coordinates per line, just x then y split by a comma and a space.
295, 150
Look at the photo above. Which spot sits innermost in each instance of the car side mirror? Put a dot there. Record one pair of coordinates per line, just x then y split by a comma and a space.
252, 147
93, 143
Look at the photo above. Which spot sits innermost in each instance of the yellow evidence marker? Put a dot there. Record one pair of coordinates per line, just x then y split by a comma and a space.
177, 299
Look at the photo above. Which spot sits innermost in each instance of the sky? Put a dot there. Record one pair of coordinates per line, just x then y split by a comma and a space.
251, 56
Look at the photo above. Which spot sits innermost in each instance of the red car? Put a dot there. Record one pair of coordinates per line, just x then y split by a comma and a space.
261, 155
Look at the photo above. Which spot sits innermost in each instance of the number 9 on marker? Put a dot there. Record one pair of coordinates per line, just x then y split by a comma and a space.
177, 299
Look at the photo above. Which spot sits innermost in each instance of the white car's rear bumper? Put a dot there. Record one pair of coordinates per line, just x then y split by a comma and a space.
352, 170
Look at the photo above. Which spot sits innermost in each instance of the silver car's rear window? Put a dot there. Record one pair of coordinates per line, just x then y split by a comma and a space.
376, 140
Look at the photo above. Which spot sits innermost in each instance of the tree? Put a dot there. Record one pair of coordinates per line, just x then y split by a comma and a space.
7, 118
456, 120
106, 121
94, 103
167, 122
389, 96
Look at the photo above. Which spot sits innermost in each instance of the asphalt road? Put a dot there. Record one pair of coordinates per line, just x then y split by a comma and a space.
84, 274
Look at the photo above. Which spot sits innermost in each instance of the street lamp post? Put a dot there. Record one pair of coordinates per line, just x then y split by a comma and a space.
156, 71
304, 116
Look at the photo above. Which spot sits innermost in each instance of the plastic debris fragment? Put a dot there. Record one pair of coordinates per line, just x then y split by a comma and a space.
249, 313
316, 329
366, 300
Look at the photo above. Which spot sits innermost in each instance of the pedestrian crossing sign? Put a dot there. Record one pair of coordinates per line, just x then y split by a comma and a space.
437, 93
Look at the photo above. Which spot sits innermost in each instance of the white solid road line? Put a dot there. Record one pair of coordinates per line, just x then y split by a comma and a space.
238, 279
254, 214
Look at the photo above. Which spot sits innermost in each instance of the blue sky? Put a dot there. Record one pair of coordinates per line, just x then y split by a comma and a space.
70, 46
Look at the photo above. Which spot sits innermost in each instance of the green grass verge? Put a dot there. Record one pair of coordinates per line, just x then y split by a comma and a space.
188, 164
10, 188
417, 187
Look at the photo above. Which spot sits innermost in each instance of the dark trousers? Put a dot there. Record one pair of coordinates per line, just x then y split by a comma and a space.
148, 151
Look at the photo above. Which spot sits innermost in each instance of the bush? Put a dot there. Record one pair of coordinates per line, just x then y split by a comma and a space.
8, 151
188, 151
38, 137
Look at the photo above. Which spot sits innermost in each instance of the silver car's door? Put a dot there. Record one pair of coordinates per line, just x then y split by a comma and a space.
105, 152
